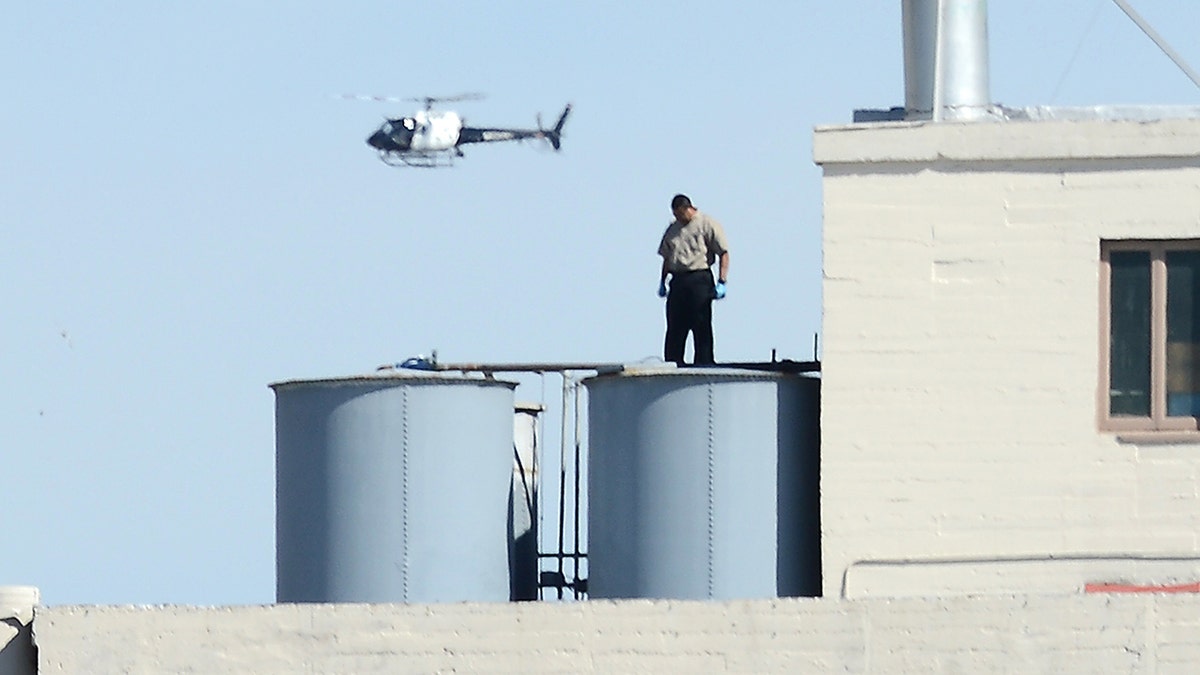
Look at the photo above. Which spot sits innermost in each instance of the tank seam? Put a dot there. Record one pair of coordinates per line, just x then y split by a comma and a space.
711, 489
404, 492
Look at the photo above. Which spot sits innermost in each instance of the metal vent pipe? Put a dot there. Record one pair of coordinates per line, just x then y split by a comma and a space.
945, 59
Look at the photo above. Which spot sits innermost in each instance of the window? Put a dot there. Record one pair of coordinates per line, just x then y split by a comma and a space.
1150, 335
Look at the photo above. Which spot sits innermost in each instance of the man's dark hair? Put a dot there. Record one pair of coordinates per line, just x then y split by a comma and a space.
680, 202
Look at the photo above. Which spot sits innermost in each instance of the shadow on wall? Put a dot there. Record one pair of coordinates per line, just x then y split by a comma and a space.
798, 498
18, 655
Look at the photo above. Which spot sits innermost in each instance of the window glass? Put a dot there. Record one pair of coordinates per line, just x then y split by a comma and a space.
1183, 333
1129, 354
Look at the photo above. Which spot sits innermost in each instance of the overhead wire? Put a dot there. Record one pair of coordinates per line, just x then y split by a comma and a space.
1078, 48
1159, 40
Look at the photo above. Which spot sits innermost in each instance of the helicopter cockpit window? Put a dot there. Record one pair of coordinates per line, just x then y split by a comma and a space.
387, 127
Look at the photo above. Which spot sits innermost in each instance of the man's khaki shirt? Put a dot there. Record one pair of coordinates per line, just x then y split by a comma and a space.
694, 245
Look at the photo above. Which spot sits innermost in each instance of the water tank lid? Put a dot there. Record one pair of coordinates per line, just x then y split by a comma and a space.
398, 378
706, 374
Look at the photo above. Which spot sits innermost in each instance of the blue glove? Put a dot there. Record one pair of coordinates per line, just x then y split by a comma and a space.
662, 289
719, 291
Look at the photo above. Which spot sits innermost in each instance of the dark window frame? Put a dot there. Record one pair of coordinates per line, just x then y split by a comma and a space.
1157, 421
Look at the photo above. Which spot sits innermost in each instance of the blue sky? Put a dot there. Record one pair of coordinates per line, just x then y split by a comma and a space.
188, 213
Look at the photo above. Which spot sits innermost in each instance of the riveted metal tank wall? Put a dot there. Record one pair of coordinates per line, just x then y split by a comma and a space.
393, 489
703, 484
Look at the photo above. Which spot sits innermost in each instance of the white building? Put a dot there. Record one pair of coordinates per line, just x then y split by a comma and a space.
967, 439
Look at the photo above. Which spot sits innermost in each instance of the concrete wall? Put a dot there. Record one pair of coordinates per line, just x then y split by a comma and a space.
961, 353
1114, 633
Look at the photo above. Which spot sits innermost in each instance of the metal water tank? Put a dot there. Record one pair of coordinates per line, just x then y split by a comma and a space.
393, 488
703, 483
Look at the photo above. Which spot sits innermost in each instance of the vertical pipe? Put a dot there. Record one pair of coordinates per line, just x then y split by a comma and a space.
964, 63
562, 485
945, 59
578, 434
919, 23
537, 492
939, 62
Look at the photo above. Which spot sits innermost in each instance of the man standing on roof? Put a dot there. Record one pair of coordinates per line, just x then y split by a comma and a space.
689, 247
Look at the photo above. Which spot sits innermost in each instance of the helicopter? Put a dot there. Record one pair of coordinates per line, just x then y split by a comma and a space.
431, 138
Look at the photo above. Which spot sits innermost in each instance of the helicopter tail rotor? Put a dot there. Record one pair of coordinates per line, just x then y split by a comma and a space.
555, 135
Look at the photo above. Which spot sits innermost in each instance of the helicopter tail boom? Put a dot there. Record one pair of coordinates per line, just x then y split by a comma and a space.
491, 135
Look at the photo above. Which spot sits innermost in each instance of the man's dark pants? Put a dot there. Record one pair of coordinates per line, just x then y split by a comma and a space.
689, 309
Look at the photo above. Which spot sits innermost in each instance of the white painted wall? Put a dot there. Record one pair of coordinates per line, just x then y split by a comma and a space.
1118, 633
961, 347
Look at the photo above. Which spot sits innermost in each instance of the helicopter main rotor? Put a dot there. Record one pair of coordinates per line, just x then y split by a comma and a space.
428, 101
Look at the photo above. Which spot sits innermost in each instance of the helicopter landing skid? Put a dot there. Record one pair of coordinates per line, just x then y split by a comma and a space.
421, 160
